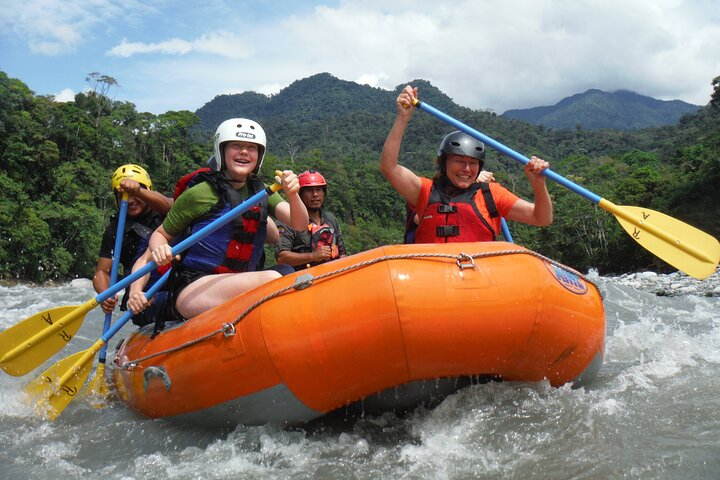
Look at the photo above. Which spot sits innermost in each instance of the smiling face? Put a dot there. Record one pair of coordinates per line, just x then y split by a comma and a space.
462, 170
240, 159
136, 206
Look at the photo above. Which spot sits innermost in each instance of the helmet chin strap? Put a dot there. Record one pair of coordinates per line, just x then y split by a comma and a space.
227, 177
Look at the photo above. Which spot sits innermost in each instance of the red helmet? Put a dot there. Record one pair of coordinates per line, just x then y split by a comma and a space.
311, 178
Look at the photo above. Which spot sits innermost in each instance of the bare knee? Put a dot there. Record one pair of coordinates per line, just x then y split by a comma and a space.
272, 274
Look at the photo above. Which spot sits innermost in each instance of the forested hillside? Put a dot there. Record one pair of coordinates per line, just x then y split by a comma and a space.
595, 109
56, 160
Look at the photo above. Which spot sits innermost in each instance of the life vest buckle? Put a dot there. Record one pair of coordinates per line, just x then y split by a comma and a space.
465, 261
228, 329
445, 208
447, 230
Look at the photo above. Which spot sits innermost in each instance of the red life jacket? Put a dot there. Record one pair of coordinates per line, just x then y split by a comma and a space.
457, 218
323, 235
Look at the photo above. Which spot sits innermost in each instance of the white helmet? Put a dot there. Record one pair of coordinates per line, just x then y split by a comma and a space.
239, 130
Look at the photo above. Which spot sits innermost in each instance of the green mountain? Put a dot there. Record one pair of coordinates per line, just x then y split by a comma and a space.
339, 128
336, 116
341, 119
316, 98
595, 109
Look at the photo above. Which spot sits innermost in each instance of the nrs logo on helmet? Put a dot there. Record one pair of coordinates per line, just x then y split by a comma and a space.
250, 136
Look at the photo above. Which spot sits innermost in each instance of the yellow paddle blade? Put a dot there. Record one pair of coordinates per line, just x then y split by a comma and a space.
57, 386
681, 245
25, 346
98, 390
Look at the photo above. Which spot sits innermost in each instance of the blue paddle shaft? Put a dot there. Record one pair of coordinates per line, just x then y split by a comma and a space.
508, 151
128, 315
506, 230
119, 234
187, 243
122, 214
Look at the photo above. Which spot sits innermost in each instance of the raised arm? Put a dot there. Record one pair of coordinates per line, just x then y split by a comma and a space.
403, 180
540, 213
293, 212
155, 200
272, 232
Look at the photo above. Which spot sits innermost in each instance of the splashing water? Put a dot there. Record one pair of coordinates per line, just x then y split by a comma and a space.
651, 413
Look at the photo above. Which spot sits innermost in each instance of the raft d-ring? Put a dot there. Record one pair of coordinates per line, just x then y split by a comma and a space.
228, 329
465, 261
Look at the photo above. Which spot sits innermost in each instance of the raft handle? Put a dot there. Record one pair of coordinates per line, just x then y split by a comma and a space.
303, 281
228, 329
156, 372
465, 261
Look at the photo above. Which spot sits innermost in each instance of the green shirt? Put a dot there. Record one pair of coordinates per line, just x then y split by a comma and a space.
198, 200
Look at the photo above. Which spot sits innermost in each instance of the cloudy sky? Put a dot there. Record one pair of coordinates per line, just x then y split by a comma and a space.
485, 54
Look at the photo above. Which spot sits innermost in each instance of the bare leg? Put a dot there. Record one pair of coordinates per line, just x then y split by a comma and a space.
212, 290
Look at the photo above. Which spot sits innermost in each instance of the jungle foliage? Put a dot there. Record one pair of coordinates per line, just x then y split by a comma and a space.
56, 160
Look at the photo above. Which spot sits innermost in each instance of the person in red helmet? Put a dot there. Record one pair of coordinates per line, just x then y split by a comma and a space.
322, 241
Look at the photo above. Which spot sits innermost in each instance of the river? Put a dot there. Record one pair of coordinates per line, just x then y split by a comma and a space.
653, 412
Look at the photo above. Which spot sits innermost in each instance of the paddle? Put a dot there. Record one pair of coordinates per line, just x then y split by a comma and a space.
679, 244
98, 384
505, 230
25, 346
57, 386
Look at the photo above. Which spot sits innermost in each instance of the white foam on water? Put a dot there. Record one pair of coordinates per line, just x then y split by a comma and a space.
651, 413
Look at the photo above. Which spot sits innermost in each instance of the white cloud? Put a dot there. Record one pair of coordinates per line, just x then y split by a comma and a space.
173, 46
66, 95
491, 54
223, 44
371, 79
53, 27
515, 53
270, 88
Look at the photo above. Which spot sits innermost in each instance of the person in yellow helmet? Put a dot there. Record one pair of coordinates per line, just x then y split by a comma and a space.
145, 212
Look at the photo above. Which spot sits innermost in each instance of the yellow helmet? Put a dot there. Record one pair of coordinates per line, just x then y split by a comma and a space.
134, 172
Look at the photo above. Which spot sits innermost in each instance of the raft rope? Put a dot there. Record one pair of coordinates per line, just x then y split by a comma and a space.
305, 281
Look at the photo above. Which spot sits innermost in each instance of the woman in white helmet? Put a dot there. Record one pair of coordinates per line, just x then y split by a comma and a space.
227, 262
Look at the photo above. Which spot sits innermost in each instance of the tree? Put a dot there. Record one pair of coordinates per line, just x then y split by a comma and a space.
715, 97
100, 85
56, 160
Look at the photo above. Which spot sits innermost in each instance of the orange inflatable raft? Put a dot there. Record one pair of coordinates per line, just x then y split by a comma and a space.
389, 328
